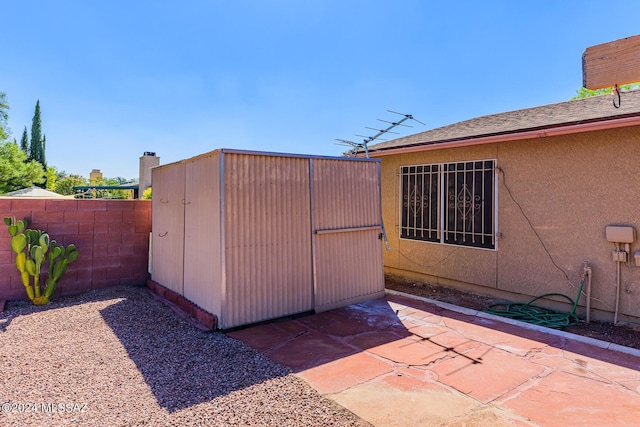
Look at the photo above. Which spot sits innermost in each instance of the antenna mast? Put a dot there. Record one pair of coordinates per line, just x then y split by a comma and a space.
368, 139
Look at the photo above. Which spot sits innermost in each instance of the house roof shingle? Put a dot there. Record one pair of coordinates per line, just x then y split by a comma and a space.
574, 112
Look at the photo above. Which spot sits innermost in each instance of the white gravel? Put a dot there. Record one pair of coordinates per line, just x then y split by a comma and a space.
118, 357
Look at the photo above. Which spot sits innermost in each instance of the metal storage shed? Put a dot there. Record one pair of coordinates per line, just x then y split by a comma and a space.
251, 236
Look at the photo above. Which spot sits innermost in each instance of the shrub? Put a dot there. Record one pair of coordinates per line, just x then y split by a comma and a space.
147, 193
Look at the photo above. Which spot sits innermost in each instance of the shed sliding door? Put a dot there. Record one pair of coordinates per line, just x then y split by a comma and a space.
346, 225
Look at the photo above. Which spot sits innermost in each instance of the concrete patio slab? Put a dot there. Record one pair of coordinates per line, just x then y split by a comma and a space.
402, 401
398, 361
308, 350
411, 351
562, 399
486, 373
345, 373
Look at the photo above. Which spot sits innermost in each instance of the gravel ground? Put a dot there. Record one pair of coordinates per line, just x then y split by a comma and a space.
118, 357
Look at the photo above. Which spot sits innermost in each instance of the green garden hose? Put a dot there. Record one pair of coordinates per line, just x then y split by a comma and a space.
539, 315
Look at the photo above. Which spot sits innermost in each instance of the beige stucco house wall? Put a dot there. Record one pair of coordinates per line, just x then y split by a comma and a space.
555, 194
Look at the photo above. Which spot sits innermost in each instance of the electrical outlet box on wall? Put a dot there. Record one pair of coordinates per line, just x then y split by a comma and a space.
619, 256
620, 234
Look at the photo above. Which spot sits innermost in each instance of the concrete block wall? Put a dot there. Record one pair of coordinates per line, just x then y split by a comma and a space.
112, 237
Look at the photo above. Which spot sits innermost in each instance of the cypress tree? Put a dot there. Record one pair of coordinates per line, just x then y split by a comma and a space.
35, 151
43, 150
24, 142
4, 117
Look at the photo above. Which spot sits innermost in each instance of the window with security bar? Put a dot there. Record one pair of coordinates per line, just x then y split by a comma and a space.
450, 203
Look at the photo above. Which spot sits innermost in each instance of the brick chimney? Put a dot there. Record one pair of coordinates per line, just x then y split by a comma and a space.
147, 161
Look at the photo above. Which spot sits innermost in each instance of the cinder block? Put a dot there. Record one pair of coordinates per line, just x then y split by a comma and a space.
27, 204
142, 248
79, 216
172, 296
108, 216
86, 228
92, 205
137, 261
139, 239
141, 216
143, 205
84, 275
122, 227
61, 205
46, 217
106, 262
98, 273
139, 279
100, 250
13, 294
62, 228
207, 319
7, 258
8, 270
109, 239
82, 241
121, 205
84, 262
143, 227
15, 281
69, 277
100, 228
126, 250
72, 289
100, 284
119, 273
5, 207
6, 282
113, 250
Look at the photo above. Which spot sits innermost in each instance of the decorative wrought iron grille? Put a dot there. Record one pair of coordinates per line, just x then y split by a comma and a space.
451, 203
420, 194
469, 212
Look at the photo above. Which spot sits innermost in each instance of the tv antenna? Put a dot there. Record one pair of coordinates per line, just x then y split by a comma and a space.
368, 139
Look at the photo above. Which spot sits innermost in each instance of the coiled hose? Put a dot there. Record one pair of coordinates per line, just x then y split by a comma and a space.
537, 315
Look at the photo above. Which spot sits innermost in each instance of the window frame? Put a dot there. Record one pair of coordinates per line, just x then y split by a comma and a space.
443, 229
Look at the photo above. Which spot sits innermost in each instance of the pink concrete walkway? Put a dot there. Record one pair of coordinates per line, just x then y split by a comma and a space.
399, 361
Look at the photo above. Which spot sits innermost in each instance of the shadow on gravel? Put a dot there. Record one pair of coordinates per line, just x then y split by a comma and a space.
182, 365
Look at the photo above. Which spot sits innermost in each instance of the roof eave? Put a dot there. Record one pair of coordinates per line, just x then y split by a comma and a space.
512, 136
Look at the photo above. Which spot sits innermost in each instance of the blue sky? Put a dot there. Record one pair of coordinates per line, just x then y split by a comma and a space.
118, 78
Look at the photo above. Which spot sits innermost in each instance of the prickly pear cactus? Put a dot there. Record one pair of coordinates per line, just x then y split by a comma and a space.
33, 249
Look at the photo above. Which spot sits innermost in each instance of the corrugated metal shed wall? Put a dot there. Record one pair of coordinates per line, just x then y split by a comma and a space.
346, 225
167, 224
267, 238
202, 240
